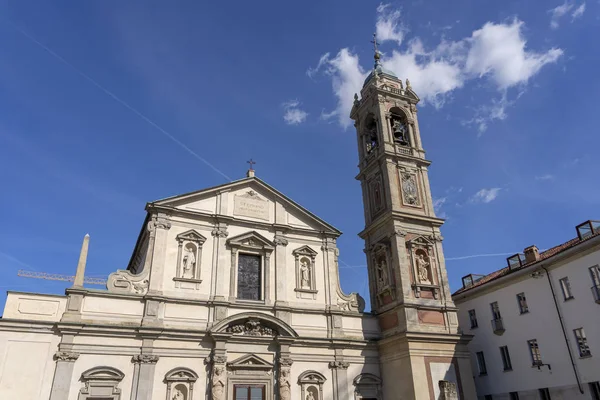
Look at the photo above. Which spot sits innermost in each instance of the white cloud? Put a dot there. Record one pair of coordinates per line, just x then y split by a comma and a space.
578, 12
388, 26
347, 78
485, 195
437, 206
293, 115
498, 50
560, 11
546, 177
495, 51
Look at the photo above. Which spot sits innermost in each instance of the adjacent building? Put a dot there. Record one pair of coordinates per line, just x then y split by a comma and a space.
536, 322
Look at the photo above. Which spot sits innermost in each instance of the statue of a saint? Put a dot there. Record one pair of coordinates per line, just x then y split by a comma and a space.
284, 384
304, 275
310, 396
382, 279
422, 268
218, 383
189, 263
178, 395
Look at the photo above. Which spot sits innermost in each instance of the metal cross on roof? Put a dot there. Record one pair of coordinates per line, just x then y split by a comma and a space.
375, 43
251, 162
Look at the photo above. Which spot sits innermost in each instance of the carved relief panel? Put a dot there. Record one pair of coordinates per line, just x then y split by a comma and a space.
189, 256
409, 187
305, 258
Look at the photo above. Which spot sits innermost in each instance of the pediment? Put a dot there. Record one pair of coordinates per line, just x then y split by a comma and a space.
251, 239
250, 361
191, 236
305, 251
419, 240
246, 199
102, 374
366, 379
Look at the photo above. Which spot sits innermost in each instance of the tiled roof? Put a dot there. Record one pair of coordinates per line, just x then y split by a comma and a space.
543, 256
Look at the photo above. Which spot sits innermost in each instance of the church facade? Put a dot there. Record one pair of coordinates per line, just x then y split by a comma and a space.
233, 293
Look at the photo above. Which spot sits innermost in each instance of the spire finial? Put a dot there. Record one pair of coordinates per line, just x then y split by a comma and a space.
376, 56
250, 173
80, 274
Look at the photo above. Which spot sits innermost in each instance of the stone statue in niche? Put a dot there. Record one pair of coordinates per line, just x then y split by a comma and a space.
178, 395
400, 132
218, 382
423, 268
313, 394
382, 274
189, 262
284, 384
310, 396
304, 274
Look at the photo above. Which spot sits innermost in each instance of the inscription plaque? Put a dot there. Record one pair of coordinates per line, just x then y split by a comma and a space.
250, 205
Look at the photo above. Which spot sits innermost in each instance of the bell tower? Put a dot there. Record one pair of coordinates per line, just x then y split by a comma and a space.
421, 342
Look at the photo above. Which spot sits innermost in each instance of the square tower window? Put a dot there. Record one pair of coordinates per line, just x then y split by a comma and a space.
582, 345
534, 352
505, 358
481, 363
473, 319
522, 303
565, 286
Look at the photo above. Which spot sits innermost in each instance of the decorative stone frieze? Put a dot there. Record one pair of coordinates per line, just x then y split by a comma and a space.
252, 327
220, 231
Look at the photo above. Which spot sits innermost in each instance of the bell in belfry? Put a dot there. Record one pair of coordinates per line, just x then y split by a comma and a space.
399, 130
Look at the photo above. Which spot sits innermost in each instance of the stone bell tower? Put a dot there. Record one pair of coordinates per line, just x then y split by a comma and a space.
421, 342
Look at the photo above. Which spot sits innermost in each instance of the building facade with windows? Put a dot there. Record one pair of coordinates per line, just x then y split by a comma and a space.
232, 293
536, 322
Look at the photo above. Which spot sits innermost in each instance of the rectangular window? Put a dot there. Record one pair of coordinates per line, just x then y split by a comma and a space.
534, 352
249, 277
505, 358
481, 363
514, 395
249, 392
522, 301
566, 288
595, 275
495, 310
473, 319
584, 350
544, 394
595, 390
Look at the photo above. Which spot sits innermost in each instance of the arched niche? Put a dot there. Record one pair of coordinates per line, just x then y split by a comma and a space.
180, 384
311, 385
367, 386
305, 259
101, 382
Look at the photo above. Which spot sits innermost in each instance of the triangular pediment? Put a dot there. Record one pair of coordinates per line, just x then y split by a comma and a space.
246, 199
251, 239
250, 361
305, 251
421, 240
192, 236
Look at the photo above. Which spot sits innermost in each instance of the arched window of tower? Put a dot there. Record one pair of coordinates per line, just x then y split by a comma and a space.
370, 134
399, 126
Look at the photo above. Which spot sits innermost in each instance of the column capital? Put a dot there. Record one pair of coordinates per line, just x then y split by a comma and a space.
220, 231
339, 364
145, 359
162, 221
280, 240
285, 361
68, 356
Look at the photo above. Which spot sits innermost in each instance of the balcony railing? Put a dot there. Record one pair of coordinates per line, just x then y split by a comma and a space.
498, 326
596, 292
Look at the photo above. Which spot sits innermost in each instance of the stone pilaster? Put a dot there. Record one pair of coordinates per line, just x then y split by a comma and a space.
219, 288
63, 374
143, 376
161, 224
218, 373
280, 270
339, 372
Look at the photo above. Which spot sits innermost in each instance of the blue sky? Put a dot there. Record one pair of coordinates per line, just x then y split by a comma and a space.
106, 105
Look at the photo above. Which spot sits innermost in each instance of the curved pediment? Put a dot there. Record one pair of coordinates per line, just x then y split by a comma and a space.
254, 324
102, 374
311, 377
